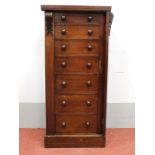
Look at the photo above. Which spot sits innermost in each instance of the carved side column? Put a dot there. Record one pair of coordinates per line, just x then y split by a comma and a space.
49, 72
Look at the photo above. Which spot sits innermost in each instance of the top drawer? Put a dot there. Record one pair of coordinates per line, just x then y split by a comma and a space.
77, 19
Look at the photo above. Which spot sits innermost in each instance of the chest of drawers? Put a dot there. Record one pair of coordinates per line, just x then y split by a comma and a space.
76, 60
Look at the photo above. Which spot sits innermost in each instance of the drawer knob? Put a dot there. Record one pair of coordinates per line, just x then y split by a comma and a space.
90, 32
90, 47
63, 47
90, 18
63, 64
64, 83
89, 83
63, 124
88, 103
63, 18
89, 65
63, 31
63, 102
87, 124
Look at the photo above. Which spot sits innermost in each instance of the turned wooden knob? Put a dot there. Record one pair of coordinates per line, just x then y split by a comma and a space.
87, 124
64, 83
90, 47
90, 18
88, 103
63, 31
89, 83
63, 64
63, 18
63, 102
89, 65
63, 124
90, 31
63, 47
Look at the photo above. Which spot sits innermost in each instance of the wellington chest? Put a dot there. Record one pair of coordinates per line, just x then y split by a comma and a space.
76, 63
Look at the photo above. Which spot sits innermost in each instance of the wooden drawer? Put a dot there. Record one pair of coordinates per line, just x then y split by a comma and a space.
76, 83
76, 103
77, 19
77, 32
76, 124
77, 64
76, 47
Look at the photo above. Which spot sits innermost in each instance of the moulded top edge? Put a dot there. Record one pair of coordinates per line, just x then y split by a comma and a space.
75, 8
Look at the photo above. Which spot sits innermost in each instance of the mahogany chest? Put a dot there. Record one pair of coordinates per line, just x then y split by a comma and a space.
76, 62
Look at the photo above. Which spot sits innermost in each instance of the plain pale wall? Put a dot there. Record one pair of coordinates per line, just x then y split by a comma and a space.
32, 68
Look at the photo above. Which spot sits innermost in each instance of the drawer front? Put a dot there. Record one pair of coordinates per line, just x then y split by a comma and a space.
77, 64
76, 103
76, 47
76, 83
77, 32
76, 124
73, 18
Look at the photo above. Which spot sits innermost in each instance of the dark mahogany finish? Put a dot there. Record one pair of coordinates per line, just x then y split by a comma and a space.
85, 124
76, 53
77, 18
76, 47
76, 103
77, 65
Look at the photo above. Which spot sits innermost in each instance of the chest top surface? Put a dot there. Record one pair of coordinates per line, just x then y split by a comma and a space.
75, 8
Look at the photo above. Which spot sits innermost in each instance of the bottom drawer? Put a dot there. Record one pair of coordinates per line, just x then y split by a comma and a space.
76, 124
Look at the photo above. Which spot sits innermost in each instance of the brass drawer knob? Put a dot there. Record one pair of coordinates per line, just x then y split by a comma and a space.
63, 64
63, 18
88, 103
64, 83
63, 102
63, 47
89, 65
63, 124
63, 31
90, 47
90, 18
89, 83
90, 32
87, 124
